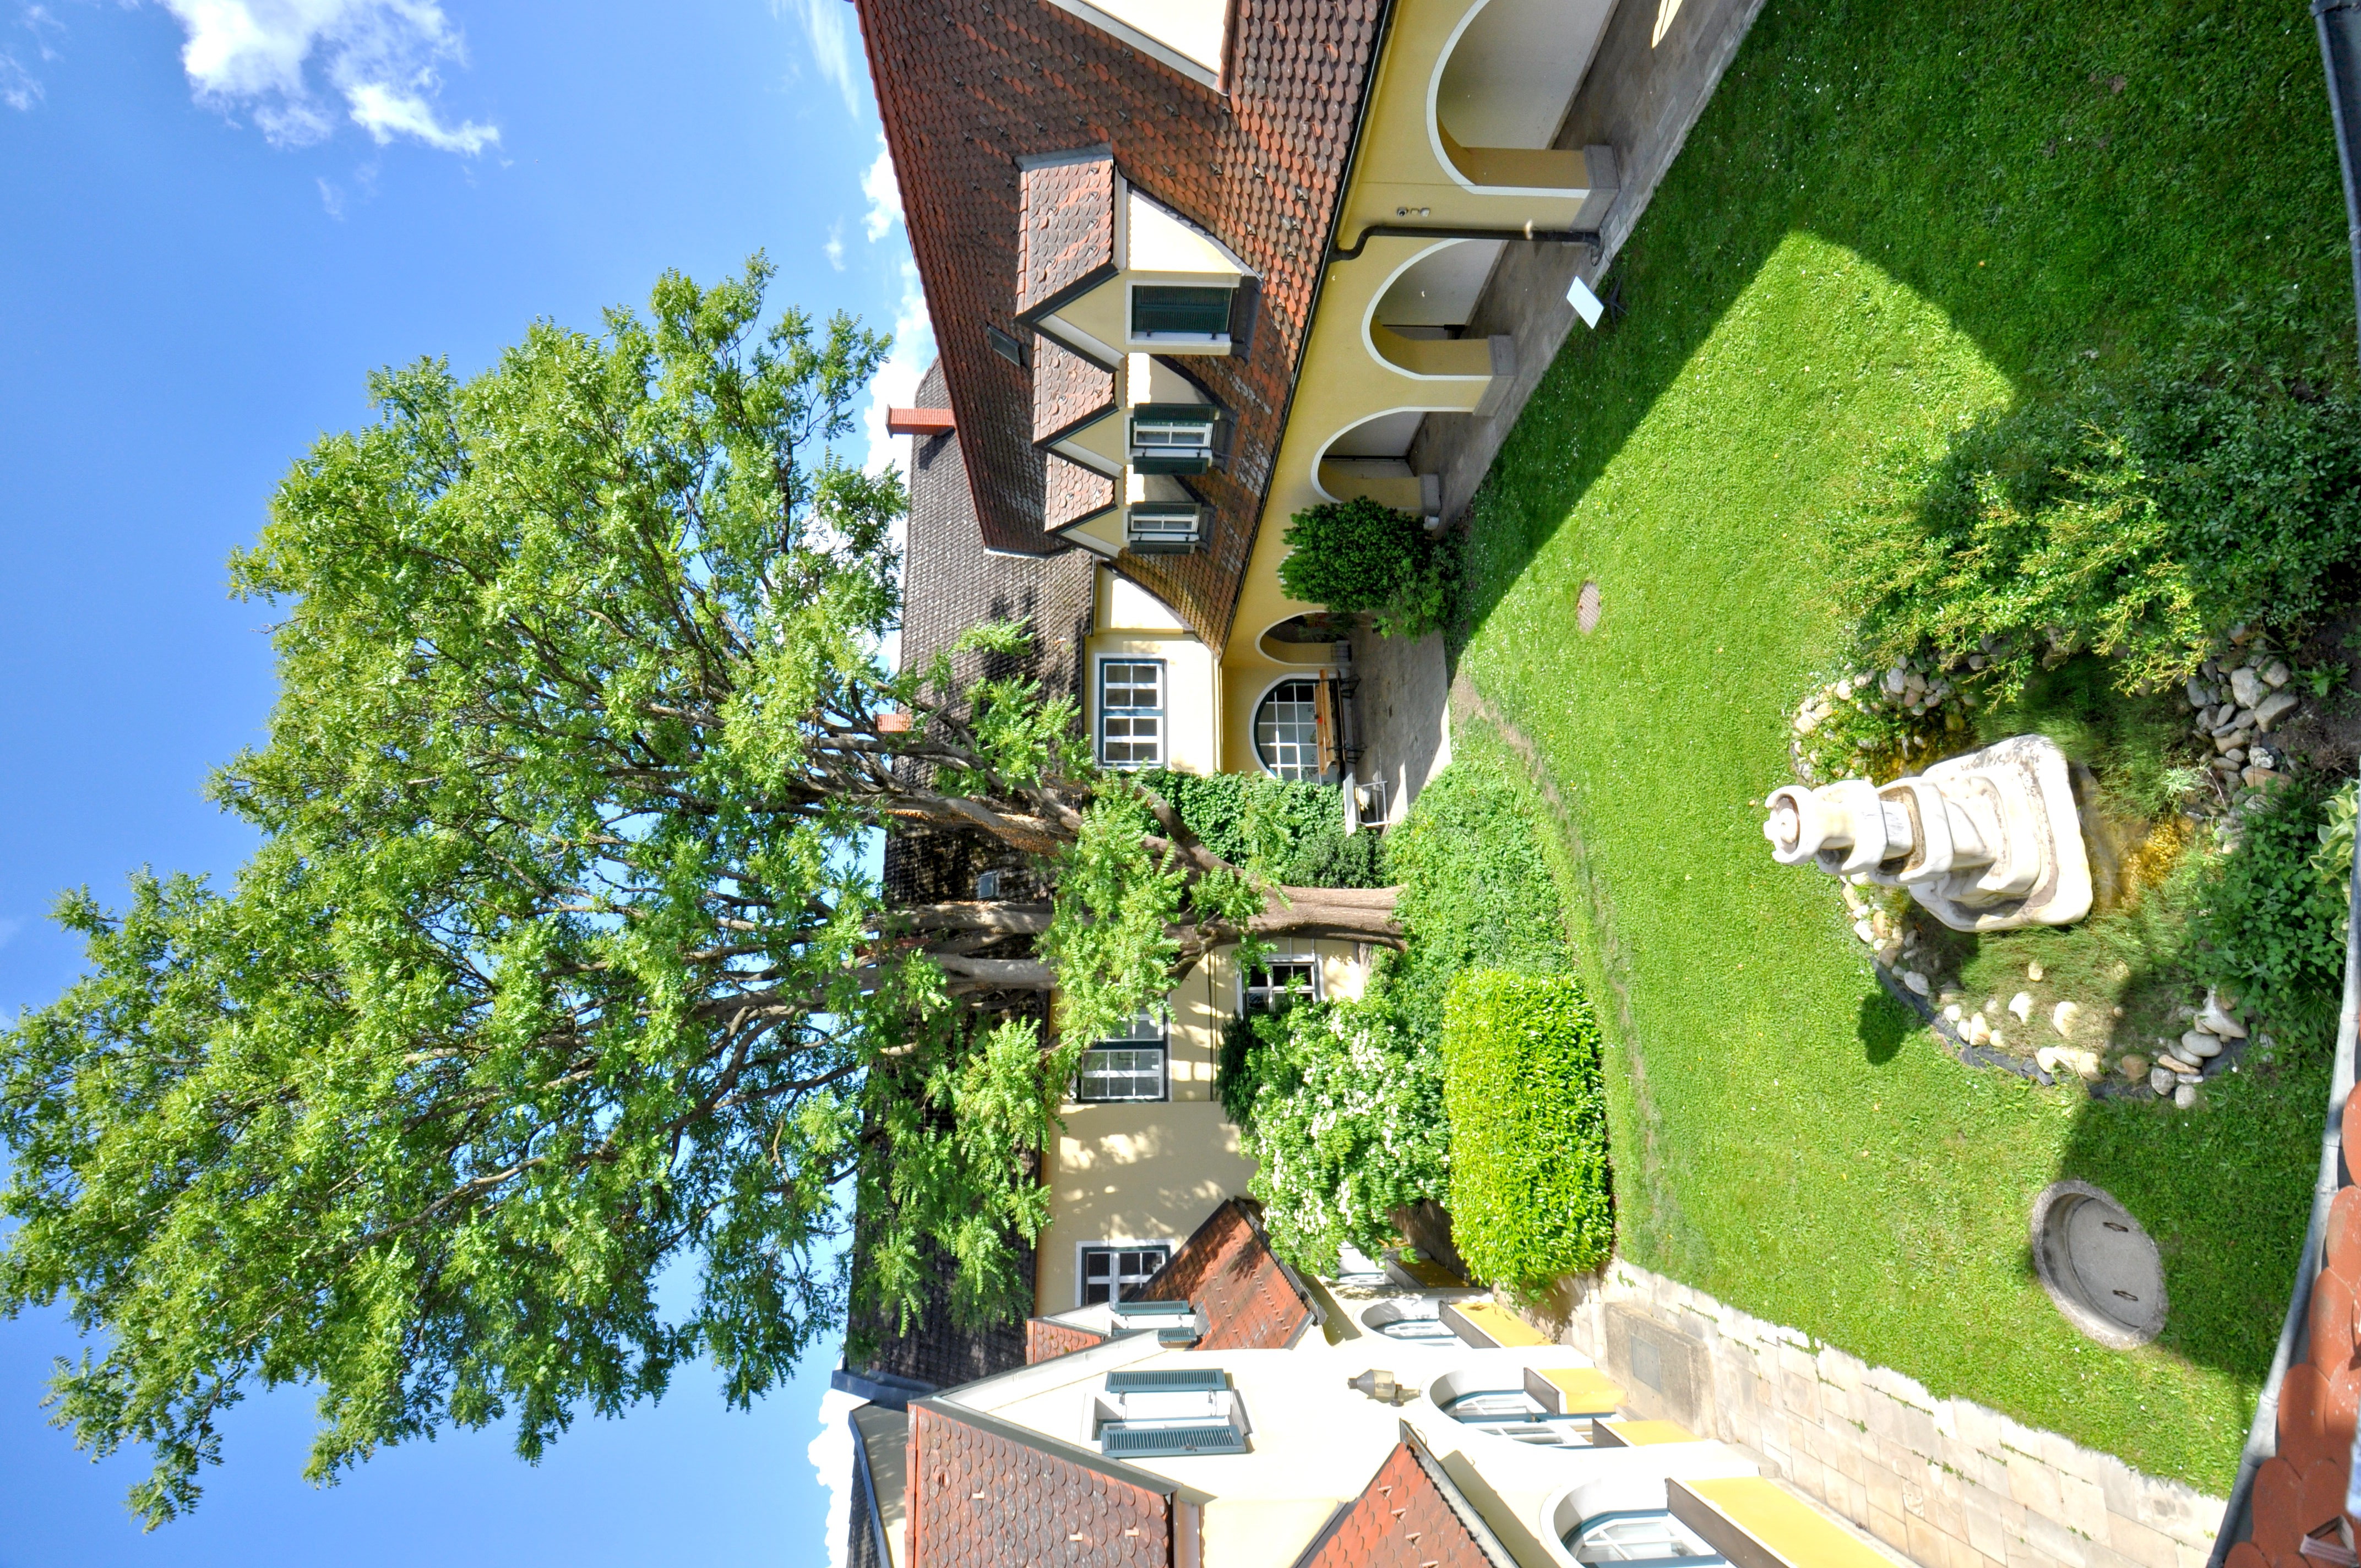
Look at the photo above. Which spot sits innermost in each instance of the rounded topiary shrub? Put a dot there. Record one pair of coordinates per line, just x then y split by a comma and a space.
1357, 557
1526, 1109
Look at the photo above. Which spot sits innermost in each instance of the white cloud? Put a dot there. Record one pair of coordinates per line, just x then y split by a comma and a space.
379, 55
332, 197
825, 29
896, 382
832, 1455
19, 88
885, 193
834, 248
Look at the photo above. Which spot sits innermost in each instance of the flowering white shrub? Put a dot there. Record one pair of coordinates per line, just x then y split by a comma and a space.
1348, 1129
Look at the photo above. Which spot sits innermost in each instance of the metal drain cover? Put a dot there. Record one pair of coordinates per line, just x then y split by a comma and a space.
2099, 1266
1586, 609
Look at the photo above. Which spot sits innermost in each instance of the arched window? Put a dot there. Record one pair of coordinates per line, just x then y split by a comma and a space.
1641, 1536
1287, 730
1422, 1331
1513, 1413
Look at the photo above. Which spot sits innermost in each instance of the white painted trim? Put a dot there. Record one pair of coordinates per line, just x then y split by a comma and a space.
1162, 53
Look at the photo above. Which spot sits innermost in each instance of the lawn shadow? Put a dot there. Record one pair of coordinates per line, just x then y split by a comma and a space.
1884, 1024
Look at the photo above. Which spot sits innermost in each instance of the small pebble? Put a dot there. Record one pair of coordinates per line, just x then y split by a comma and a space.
2021, 1006
2185, 1097
2033, 970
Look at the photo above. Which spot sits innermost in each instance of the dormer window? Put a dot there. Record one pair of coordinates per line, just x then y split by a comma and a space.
1172, 438
1158, 1415
1164, 528
1173, 314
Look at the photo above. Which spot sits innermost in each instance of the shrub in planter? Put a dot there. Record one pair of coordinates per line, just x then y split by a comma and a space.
1347, 1128
1530, 1192
1356, 557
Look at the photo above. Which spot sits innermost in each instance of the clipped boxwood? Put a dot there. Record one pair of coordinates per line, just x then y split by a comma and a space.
1529, 1194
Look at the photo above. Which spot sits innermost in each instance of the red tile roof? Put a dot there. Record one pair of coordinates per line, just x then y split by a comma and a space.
966, 88
982, 1497
1044, 1339
1067, 389
1401, 1519
1065, 235
1250, 1300
1073, 493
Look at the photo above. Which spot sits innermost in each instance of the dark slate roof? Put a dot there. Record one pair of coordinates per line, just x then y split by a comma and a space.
1250, 1299
969, 88
985, 1497
950, 581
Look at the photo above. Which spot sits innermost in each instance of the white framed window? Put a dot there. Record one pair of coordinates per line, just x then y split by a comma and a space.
1130, 1067
1131, 712
1289, 976
1112, 1267
1172, 438
1287, 730
1641, 1536
1513, 1413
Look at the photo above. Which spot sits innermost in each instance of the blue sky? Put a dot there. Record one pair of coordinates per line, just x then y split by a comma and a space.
216, 218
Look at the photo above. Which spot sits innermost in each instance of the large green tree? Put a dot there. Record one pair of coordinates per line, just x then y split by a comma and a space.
558, 966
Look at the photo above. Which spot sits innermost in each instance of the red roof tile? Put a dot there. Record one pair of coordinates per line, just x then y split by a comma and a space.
1044, 1339
980, 1498
966, 88
1067, 389
1073, 493
1401, 1519
1065, 235
1226, 1268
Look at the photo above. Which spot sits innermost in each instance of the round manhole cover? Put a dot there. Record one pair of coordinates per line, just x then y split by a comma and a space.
1586, 609
2098, 1266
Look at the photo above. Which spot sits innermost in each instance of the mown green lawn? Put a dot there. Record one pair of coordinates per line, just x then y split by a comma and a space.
1893, 216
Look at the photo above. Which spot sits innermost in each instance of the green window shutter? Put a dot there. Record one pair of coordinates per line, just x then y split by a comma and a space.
1161, 308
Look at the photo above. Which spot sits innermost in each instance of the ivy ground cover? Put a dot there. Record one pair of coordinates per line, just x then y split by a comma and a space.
1892, 217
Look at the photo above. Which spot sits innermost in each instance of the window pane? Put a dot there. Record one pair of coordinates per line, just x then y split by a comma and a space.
1107, 1272
1280, 983
1287, 730
1161, 308
1131, 713
1121, 1072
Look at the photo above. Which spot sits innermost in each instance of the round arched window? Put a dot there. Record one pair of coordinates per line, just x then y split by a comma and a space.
1287, 730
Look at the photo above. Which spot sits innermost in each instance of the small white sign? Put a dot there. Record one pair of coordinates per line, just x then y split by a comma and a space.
1586, 303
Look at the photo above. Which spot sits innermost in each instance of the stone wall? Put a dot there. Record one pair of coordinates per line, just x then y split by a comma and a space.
1946, 1482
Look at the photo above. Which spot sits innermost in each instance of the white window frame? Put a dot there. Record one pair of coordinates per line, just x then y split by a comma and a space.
1253, 724
1162, 711
1282, 955
1151, 1031
1169, 341
1082, 1251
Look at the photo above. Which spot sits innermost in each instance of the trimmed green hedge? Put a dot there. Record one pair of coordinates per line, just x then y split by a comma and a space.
1529, 1190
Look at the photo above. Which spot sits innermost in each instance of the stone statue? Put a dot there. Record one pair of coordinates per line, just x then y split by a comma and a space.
1987, 841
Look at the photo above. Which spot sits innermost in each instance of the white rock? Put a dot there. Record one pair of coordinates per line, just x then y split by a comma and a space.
1915, 981
2062, 1016
2200, 1045
2160, 1079
2200, 693
2185, 1097
2033, 970
1896, 679
2087, 1064
2273, 709
2046, 1059
2215, 1019
2246, 685
1999, 1041
2021, 1006
1978, 1032
2276, 673
1952, 1012
1865, 931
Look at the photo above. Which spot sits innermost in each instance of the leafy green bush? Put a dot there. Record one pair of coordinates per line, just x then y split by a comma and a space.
1530, 1192
1476, 885
1240, 1067
2270, 927
1345, 1128
1357, 557
1291, 831
2141, 517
